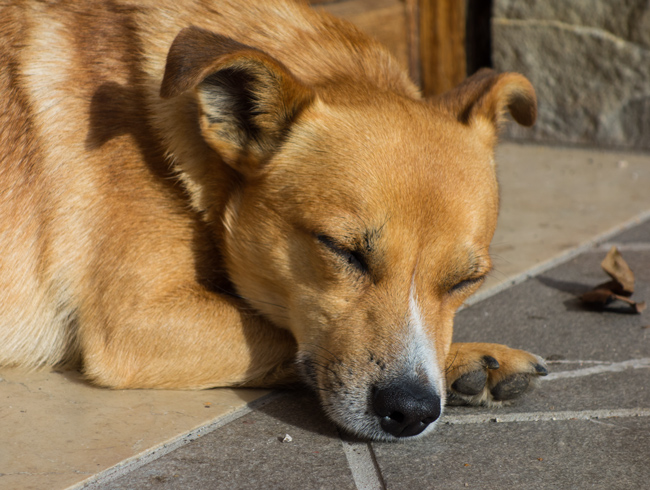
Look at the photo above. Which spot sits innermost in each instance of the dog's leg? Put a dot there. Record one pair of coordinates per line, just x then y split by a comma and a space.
194, 339
488, 374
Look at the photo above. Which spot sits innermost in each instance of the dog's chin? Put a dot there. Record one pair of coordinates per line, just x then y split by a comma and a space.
369, 428
354, 415
350, 408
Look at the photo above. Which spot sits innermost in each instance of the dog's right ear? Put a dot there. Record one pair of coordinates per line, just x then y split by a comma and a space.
247, 99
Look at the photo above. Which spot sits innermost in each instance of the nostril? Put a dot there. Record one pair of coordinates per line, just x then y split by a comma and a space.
397, 417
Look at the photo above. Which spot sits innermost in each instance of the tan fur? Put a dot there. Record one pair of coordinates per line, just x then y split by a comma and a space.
171, 173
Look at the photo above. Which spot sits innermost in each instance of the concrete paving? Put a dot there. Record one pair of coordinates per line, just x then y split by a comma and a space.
586, 426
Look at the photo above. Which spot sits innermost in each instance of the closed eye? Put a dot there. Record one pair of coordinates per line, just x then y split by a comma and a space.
352, 258
467, 284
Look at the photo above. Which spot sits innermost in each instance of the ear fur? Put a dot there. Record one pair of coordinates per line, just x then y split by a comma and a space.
247, 99
487, 94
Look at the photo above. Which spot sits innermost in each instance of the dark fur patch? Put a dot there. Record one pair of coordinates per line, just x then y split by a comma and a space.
232, 91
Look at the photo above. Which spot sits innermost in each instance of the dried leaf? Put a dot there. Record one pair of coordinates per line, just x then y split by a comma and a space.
619, 271
620, 288
613, 286
625, 299
637, 307
599, 297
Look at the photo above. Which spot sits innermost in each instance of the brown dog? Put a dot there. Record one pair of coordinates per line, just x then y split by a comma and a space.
197, 194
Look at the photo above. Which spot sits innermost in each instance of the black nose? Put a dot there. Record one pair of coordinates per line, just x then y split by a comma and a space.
406, 408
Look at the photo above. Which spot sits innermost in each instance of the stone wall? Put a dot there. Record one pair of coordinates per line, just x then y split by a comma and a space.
589, 61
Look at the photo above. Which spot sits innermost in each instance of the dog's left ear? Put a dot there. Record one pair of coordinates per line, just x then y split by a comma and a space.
247, 99
487, 94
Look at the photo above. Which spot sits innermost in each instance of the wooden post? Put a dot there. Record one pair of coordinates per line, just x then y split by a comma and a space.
413, 40
441, 44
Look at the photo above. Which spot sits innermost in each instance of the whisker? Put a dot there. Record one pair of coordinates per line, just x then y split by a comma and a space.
451, 364
323, 366
316, 388
336, 358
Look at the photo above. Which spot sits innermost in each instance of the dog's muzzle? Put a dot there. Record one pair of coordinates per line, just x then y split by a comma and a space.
406, 408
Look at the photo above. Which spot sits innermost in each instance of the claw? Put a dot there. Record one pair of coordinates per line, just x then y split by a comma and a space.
490, 362
541, 369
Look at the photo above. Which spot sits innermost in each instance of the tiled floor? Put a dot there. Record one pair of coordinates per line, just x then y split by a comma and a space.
55, 431
554, 200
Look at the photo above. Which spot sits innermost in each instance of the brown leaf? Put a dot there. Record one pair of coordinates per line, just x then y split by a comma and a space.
601, 298
598, 297
620, 288
614, 286
619, 271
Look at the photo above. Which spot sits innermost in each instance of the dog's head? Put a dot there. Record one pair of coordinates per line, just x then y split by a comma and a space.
361, 221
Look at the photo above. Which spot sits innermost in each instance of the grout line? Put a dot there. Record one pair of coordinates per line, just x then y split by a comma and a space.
557, 260
128, 465
363, 465
547, 416
613, 367
577, 361
623, 247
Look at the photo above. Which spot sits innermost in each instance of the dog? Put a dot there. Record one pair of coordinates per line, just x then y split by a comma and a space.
202, 194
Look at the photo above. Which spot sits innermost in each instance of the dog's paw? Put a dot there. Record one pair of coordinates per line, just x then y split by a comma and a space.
490, 374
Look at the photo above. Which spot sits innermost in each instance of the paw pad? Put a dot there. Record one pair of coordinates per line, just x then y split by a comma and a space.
481, 379
471, 383
511, 387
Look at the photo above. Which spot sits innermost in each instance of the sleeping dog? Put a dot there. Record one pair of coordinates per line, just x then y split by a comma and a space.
199, 194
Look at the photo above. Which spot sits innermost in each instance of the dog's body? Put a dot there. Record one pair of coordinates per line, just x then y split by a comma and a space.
191, 207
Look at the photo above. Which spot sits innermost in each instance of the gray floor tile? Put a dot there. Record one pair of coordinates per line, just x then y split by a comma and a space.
248, 453
626, 390
610, 455
543, 315
635, 235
